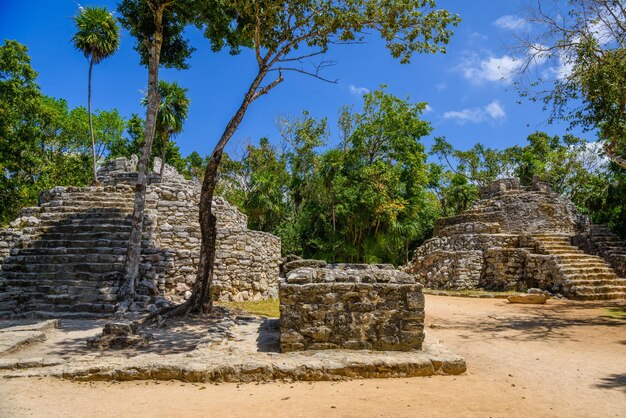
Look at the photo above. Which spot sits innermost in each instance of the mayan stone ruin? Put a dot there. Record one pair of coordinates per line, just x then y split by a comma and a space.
63, 258
350, 306
519, 237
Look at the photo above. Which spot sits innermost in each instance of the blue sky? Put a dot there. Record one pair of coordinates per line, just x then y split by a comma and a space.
468, 100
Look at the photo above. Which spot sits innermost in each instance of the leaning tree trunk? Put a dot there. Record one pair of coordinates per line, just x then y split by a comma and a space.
93, 141
133, 252
201, 300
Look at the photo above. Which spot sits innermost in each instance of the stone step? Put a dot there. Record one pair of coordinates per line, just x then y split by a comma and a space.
577, 257
99, 307
96, 211
60, 277
91, 227
90, 201
44, 251
67, 298
102, 214
590, 290
600, 296
574, 275
70, 287
63, 268
65, 258
125, 221
562, 251
568, 270
36, 284
586, 263
89, 236
54, 315
91, 243
595, 282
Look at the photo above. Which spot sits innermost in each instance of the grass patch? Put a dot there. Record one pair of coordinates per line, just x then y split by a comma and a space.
616, 313
268, 308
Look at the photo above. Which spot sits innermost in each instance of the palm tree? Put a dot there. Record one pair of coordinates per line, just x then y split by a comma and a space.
98, 37
171, 114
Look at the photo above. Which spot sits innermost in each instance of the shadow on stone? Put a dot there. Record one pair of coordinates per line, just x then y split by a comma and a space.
268, 339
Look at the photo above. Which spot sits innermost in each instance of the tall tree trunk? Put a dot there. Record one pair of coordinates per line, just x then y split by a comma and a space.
93, 141
201, 300
133, 252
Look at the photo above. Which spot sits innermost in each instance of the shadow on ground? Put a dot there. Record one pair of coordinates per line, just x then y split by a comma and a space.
614, 381
554, 321
71, 339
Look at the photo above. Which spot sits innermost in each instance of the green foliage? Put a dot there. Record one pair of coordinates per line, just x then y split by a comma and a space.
406, 26
97, 35
43, 143
586, 40
171, 115
365, 200
210, 15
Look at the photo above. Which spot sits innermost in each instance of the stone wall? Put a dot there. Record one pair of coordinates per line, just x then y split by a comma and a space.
246, 265
442, 269
350, 307
504, 269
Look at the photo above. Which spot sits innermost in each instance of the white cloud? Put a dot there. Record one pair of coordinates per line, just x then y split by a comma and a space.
428, 108
492, 112
495, 110
511, 22
478, 71
441, 86
357, 91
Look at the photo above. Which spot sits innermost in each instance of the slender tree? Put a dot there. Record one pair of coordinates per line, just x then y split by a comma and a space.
158, 27
172, 113
97, 37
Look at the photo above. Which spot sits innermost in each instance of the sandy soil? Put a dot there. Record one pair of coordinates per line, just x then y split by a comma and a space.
561, 359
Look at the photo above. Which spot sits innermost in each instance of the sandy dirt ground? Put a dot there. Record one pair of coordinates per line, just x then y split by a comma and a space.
562, 359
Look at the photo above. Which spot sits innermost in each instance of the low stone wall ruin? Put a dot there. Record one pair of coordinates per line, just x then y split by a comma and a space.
357, 307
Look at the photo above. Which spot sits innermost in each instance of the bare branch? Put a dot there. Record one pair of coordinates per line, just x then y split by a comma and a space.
266, 89
301, 71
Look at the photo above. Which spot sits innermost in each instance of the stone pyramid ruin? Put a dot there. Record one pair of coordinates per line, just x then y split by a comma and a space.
519, 237
64, 257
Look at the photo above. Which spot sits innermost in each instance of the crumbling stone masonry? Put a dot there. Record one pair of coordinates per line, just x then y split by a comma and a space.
350, 306
64, 257
515, 238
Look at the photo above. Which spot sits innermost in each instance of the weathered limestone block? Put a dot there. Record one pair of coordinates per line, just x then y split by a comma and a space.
442, 269
342, 307
529, 298
504, 269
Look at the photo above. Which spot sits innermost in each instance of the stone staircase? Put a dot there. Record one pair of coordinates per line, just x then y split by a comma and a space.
608, 245
584, 276
69, 266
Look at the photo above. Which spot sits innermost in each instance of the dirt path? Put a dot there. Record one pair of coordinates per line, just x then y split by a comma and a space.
562, 359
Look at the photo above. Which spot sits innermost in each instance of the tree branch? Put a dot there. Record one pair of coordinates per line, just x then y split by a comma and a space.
266, 89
